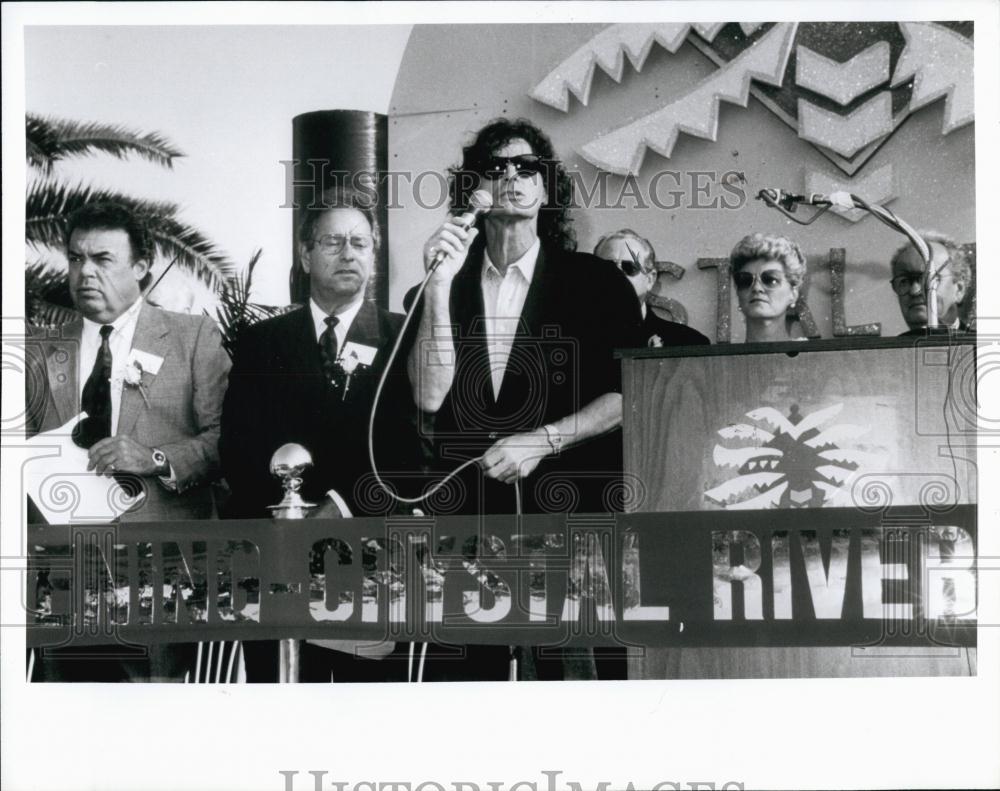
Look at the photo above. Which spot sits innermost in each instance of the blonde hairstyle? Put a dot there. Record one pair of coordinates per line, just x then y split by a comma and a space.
772, 248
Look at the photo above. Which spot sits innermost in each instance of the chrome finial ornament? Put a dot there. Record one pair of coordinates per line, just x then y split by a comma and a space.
288, 463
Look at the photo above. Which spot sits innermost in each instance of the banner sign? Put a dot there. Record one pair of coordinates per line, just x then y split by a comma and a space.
781, 577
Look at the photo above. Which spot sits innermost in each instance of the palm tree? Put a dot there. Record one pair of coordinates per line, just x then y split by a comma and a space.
236, 312
49, 202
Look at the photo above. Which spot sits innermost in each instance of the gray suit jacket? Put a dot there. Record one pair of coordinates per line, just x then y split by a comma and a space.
184, 402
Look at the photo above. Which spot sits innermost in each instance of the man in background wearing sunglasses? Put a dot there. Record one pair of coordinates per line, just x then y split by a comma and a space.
635, 257
952, 271
514, 358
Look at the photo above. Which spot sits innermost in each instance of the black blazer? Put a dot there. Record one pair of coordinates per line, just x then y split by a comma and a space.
278, 393
670, 333
921, 332
578, 310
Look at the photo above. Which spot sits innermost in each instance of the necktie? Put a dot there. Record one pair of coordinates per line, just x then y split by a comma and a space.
328, 349
96, 401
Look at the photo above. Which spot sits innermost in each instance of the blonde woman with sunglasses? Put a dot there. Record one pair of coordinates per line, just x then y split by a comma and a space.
767, 273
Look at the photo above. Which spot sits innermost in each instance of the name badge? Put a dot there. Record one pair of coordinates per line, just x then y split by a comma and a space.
150, 363
365, 355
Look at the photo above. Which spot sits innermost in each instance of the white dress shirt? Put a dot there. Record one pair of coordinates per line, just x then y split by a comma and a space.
121, 344
503, 300
344, 321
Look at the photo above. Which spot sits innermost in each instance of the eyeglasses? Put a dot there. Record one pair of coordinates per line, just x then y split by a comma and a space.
903, 284
524, 165
333, 243
769, 279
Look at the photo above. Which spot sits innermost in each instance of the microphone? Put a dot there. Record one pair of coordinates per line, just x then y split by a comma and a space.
789, 200
480, 203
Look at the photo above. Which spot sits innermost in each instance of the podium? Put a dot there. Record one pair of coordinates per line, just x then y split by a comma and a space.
852, 424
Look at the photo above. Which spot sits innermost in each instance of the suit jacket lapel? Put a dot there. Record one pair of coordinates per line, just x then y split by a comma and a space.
303, 348
151, 331
469, 313
63, 366
536, 300
364, 330
529, 328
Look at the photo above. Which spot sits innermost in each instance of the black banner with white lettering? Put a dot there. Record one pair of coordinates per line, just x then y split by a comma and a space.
782, 577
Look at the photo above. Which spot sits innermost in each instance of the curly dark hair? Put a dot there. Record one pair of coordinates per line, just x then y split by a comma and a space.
554, 224
108, 216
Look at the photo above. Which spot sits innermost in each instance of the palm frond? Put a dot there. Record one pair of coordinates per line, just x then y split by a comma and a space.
42, 281
49, 203
46, 314
46, 295
49, 140
235, 311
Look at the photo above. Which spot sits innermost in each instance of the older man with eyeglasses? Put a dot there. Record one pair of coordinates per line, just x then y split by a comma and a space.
951, 272
635, 257
309, 377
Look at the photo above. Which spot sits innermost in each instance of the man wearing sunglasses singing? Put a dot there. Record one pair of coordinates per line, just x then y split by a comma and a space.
951, 270
514, 351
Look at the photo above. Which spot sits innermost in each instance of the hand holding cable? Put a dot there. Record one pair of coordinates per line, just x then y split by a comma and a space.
515, 457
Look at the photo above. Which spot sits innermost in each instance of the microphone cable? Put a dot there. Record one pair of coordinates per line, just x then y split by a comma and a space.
480, 202
434, 489
378, 396
371, 421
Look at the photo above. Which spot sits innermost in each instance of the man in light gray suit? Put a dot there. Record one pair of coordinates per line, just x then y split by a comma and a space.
151, 381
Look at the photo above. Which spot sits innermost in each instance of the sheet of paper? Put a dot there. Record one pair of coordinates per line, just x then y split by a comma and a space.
64, 491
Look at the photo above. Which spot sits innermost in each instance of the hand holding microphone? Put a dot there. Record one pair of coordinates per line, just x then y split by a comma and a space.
445, 251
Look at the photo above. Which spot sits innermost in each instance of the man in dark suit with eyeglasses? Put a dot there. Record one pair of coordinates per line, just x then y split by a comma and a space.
952, 273
309, 377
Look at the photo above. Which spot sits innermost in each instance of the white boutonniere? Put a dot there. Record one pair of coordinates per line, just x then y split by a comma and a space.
348, 364
132, 378
654, 342
354, 356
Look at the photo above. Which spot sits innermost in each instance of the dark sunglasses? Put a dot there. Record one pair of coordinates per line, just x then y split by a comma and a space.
630, 266
770, 280
524, 165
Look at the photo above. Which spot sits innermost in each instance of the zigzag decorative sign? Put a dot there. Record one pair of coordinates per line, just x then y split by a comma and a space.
833, 76
846, 134
876, 186
576, 73
842, 82
941, 63
696, 113
608, 50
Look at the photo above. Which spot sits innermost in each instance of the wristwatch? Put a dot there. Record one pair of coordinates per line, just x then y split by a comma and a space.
554, 437
160, 460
